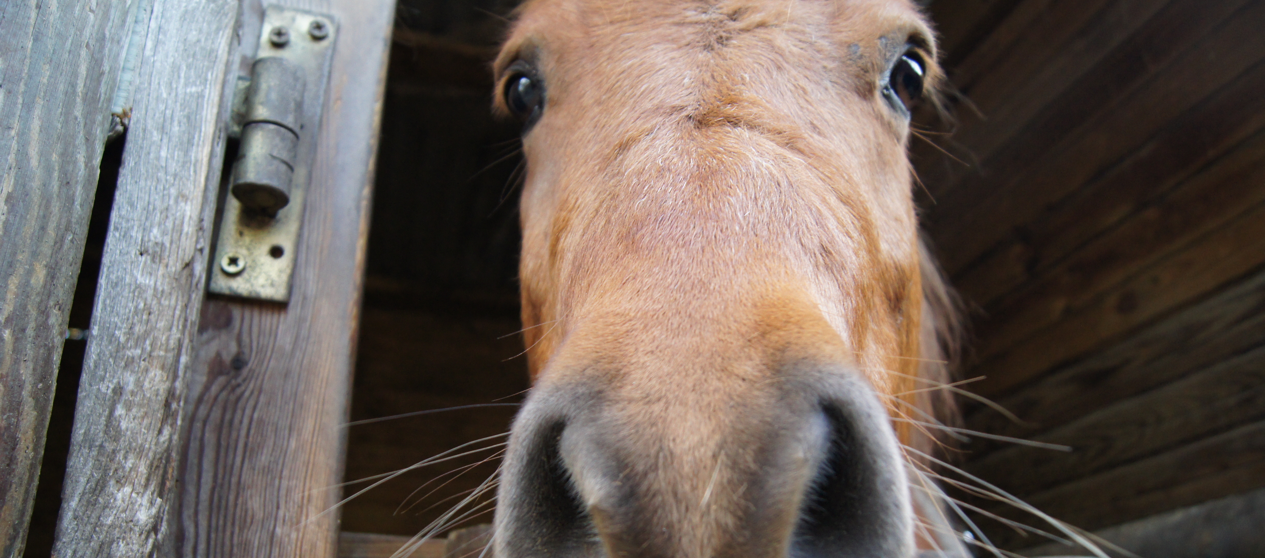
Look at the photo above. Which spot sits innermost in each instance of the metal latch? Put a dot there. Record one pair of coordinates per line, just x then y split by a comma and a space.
277, 114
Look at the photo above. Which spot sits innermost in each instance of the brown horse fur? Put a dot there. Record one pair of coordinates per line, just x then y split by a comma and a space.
717, 223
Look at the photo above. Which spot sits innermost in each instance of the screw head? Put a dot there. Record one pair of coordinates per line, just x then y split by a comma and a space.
318, 29
279, 36
232, 263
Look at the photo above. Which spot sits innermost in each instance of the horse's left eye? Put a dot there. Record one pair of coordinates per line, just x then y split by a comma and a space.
525, 97
905, 82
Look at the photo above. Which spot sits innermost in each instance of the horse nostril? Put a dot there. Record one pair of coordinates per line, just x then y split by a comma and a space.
834, 493
548, 517
854, 505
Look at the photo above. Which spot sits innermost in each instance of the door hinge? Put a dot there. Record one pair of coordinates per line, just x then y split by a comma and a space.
276, 115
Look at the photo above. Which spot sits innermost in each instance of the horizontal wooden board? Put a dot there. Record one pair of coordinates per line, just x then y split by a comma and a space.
1214, 260
1227, 324
372, 545
1226, 464
1183, 147
962, 24
1202, 204
1199, 405
468, 542
1070, 140
1015, 73
1228, 527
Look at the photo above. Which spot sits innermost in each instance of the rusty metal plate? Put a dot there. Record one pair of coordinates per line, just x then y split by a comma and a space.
255, 253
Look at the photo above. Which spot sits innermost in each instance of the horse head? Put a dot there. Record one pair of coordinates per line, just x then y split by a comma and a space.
725, 296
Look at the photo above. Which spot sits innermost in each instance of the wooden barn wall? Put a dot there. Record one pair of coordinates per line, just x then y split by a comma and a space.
1100, 205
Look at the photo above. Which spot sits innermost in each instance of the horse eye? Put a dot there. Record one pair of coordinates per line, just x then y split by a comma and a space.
525, 97
905, 82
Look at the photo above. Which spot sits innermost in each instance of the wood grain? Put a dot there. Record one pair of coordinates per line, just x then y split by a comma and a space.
54, 114
963, 24
1199, 405
1228, 527
1042, 159
372, 545
269, 384
1184, 147
1183, 277
1200, 205
1027, 61
1229, 463
121, 474
1227, 324
463, 543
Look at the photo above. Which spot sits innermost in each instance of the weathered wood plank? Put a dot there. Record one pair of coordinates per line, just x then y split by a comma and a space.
963, 24
121, 474
269, 384
1028, 74
1200, 405
1226, 464
1201, 204
1066, 143
1226, 528
1185, 146
54, 115
1216, 259
1227, 324
1031, 57
369, 545
463, 543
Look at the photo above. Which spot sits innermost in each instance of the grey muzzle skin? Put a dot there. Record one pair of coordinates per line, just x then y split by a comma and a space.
822, 476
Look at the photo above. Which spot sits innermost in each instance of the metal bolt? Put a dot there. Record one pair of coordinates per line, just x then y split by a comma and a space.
232, 264
318, 30
279, 36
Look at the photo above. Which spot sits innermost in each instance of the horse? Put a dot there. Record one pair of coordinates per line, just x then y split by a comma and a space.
736, 335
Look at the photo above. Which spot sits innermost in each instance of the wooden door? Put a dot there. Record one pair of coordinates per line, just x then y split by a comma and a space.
54, 117
205, 425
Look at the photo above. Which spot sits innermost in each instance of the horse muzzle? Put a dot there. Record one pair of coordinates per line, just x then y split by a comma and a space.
804, 465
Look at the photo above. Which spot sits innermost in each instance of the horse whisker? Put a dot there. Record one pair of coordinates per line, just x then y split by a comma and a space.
427, 412
966, 433
1020, 527
460, 471
439, 458
533, 345
450, 518
986, 401
527, 328
940, 387
387, 477
1017, 502
516, 151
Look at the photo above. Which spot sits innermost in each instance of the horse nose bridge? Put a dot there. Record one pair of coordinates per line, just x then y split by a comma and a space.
679, 478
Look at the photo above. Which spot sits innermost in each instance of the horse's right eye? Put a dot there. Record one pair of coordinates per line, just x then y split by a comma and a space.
525, 97
904, 82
